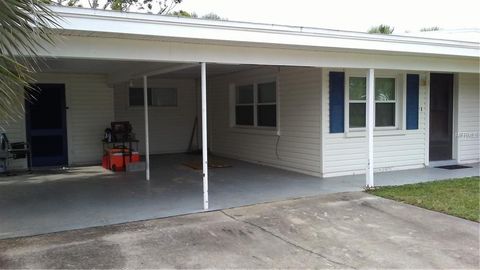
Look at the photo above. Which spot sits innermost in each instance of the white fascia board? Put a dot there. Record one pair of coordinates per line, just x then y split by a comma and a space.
105, 23
81, 47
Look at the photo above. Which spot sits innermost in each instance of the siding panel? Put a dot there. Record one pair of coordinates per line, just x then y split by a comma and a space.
299, 104
170, 127
469, 118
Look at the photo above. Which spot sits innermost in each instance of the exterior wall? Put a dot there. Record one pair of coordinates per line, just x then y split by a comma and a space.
346, 153
297, 143
89, 100
170, 128
468, 118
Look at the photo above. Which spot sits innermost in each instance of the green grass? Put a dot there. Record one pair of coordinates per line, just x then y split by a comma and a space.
457, 197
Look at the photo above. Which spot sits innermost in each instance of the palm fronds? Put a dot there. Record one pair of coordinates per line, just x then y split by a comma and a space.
25, 25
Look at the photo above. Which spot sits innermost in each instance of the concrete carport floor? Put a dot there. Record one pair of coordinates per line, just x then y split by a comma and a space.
90, 196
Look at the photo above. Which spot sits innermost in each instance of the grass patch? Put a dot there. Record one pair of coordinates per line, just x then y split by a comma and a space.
457, 197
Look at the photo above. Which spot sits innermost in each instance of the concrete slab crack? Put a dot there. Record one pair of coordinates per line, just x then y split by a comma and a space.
288, 241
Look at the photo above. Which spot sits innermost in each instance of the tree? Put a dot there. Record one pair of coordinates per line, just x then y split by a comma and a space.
151, 6
183, 13
381, 29
24, 27
208, 16
429, 29
213, 16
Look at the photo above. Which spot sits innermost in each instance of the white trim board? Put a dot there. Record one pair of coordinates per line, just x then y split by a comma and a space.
168, 51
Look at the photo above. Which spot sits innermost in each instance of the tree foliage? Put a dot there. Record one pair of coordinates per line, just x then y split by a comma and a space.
151, 6
381, 29
183, 13
213, 16
429, 29
25, 25
208, 16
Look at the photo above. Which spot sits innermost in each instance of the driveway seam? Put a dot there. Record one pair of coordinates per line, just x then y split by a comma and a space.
287, 241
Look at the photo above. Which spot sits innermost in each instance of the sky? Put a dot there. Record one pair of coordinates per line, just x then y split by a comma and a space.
355, 15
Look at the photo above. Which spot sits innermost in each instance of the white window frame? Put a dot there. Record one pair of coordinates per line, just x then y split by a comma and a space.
400, 92
233, 104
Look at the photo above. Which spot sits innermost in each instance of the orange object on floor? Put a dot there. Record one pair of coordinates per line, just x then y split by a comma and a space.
117, 159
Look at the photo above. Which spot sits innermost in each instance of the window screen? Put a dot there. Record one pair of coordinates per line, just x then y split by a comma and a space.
135, 96
244, 105
266, 104
164, 97
161, 97
385, 102
256, 105
357, 92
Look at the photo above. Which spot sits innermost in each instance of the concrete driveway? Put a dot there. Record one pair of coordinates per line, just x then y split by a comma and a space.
344, 230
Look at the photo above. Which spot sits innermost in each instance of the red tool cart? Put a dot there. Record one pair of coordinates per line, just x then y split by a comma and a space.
117, 147
116, 159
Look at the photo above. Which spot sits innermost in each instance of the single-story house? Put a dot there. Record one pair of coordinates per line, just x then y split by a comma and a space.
320, 102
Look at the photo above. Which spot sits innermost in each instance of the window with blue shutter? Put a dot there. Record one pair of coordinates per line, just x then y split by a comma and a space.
337, 101
413, 85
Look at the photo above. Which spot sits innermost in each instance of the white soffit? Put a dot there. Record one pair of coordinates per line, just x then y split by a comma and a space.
101, 23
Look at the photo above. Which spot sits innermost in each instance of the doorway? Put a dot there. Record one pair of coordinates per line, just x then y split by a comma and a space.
441, 116
46, 126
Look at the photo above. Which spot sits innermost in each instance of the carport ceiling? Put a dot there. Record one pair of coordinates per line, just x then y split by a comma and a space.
119, 71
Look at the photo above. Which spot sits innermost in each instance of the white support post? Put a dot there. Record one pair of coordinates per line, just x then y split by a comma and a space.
204, 136
147, 141
370, 124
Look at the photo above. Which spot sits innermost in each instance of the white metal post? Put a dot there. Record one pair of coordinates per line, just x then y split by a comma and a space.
370, 124
204, 136
147, 142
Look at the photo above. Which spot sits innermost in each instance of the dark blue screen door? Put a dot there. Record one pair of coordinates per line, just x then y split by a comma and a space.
46, 126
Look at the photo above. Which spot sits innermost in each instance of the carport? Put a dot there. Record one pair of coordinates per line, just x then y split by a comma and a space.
88, 196
85, 195
188, 80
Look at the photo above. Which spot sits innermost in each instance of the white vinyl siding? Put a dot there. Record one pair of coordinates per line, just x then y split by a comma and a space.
90, 103
468, 118
170, 127
298, 145
346, 153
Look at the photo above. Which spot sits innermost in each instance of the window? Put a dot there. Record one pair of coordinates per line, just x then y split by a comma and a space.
136, 97
158, 97
357, 93
266, 105
164, 97
244, 105
385, 102
256, 105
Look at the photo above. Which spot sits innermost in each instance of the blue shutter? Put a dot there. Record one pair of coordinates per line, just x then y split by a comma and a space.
413, 81
337, 101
